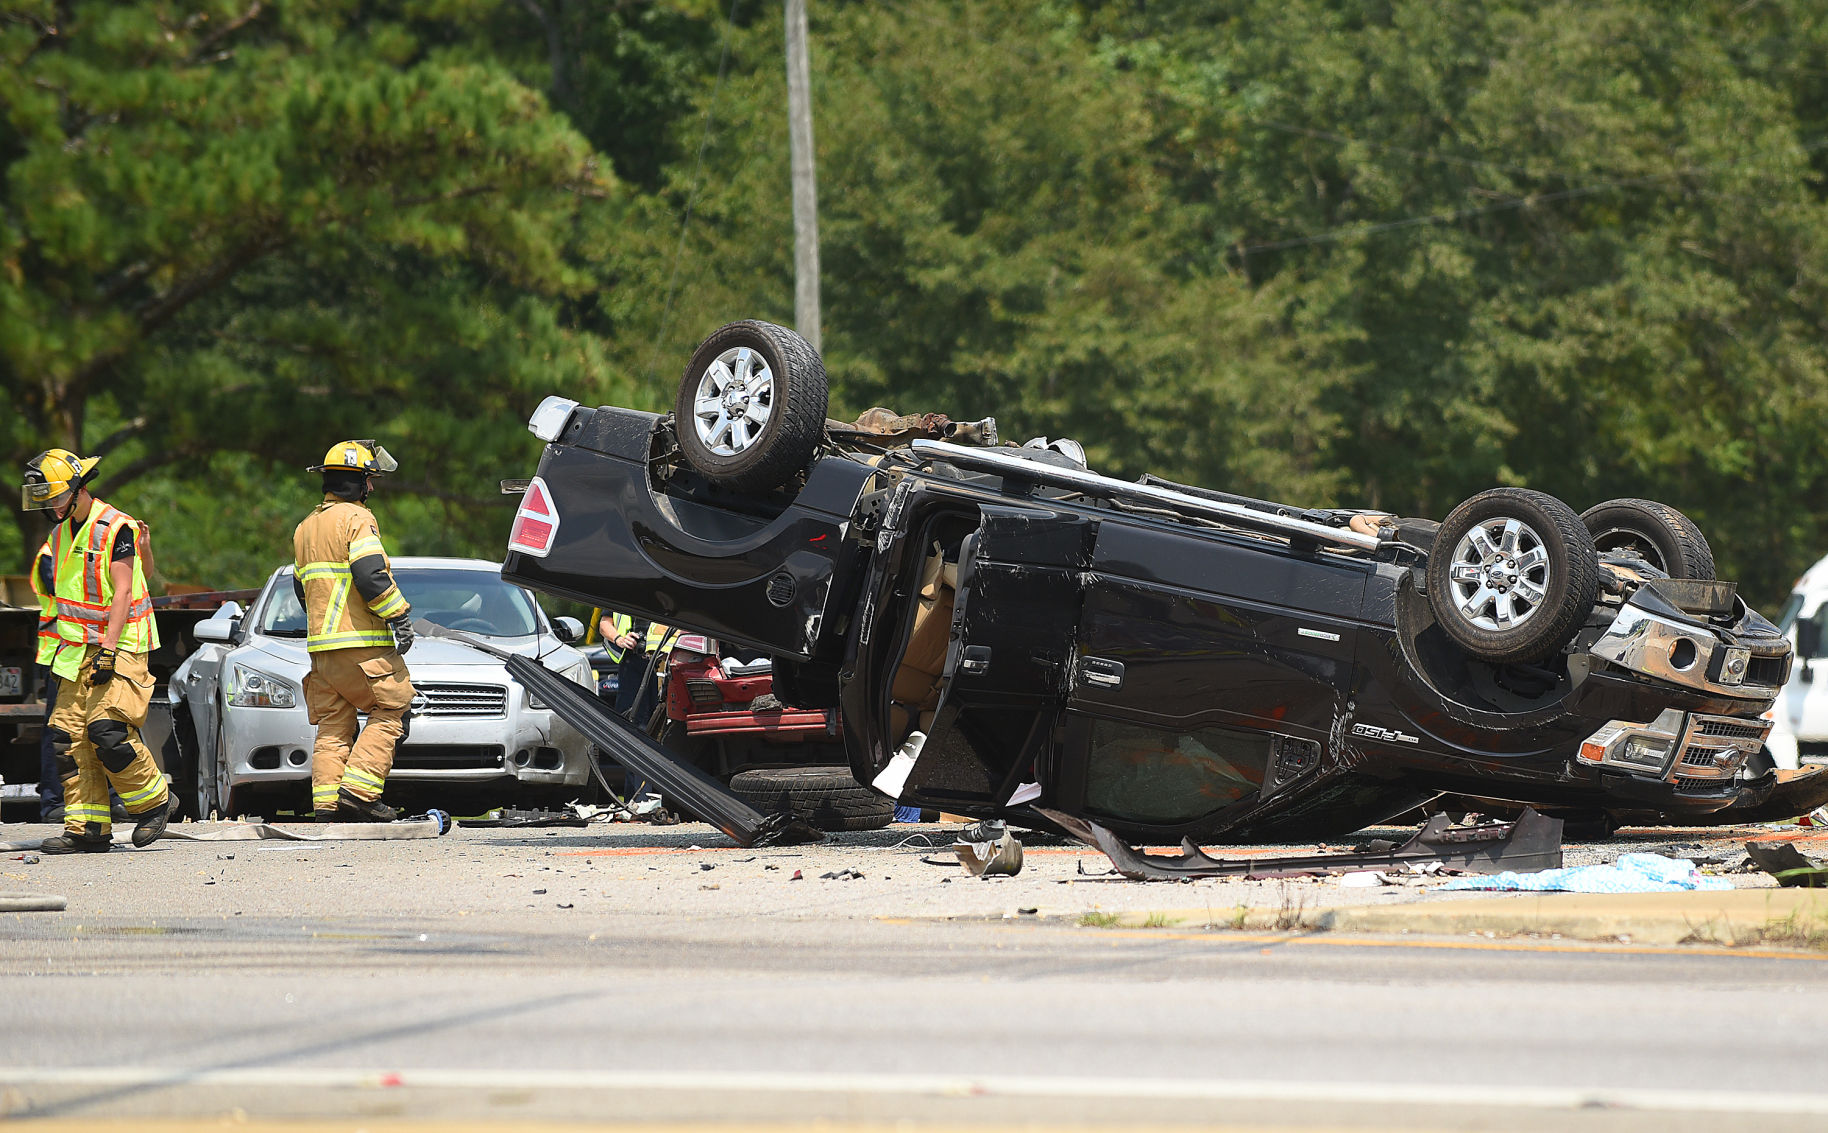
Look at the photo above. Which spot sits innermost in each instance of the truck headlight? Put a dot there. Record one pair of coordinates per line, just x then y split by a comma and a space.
251, 688
1645, 751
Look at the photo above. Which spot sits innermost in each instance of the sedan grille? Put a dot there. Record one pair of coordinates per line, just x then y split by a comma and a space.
460, 700
450, 757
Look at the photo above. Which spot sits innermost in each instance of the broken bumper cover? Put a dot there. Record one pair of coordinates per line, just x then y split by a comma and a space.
621, 741
1531, 843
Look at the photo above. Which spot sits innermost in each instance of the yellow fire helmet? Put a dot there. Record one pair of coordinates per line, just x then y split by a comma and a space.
356, 456
51, 477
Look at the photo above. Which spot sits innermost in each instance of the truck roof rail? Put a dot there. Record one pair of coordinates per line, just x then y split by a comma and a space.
1092, 484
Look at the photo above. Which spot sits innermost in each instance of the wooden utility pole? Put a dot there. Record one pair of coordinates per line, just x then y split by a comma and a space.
805, 188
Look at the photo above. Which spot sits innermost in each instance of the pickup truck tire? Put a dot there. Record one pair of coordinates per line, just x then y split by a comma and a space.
826, 797
1512, 576
1658, 533
751, 406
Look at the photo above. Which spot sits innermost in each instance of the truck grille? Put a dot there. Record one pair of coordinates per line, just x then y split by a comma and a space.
1716, 726
1699, 757
460, 700
1703, 786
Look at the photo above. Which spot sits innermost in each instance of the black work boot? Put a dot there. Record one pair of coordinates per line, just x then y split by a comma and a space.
149, 825
326, 816
351, 809
67, 843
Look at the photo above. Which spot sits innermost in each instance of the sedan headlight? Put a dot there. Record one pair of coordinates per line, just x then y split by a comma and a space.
579, 674
251, 688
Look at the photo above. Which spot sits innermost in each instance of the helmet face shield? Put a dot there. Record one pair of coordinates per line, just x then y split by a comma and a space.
383, 460
40, 496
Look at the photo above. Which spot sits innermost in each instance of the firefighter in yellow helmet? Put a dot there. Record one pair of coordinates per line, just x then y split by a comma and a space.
104, 634
357, 626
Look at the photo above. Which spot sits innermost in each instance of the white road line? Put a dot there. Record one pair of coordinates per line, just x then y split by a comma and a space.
950, 1085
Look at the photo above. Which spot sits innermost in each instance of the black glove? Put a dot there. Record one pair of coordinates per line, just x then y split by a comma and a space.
402, 625
103, 670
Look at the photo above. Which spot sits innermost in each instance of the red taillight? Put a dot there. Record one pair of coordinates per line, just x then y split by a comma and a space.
536, 524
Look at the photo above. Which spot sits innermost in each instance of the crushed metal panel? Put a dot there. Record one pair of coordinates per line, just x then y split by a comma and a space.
879, 427
1531, 843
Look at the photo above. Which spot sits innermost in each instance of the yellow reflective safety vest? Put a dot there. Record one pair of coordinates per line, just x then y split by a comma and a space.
619, 624
84, 589
332, 537
47, 608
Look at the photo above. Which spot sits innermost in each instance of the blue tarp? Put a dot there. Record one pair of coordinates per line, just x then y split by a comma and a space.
1633, 873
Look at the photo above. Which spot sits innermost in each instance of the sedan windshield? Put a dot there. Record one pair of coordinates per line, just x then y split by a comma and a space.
473, 601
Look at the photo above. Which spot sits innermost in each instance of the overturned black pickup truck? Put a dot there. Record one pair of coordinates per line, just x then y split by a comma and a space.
1005, 631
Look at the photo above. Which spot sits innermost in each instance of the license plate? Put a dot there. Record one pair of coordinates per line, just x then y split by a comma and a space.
12, 681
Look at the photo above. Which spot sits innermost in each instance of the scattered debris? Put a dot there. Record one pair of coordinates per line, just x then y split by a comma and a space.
702, 887
1633, 873
706, 866
29, 859
538, 892
510, 818
846, 874
1788, 865
796, 876
564, 904
988, 849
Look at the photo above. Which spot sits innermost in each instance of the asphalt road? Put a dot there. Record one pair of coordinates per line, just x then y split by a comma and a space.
424, 983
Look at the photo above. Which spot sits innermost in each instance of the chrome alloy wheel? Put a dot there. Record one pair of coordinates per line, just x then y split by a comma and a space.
734, 400
1500, 574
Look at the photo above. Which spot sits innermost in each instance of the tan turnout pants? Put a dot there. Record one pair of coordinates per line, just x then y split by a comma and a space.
341, 684
95, 731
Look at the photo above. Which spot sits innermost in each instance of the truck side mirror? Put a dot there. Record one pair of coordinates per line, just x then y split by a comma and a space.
1808, 638
567, 630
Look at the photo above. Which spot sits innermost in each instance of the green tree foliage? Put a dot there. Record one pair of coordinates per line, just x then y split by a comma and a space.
1378, 252
234, 227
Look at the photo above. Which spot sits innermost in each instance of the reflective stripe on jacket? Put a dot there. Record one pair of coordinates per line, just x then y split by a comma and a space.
330, 539
83, 590
48, 640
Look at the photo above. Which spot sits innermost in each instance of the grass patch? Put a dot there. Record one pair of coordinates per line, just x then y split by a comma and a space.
1804, 928
1099, 920
1158, 920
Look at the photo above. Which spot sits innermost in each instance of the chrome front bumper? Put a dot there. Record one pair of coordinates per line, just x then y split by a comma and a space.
1692, 750
1693, 656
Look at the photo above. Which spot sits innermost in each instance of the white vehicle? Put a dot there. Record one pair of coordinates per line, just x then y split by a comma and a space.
1799, 732
241, 743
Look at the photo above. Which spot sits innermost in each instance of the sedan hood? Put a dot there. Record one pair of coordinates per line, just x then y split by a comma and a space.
429, 651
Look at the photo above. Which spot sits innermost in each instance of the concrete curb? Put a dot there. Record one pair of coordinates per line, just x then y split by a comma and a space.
1739, 917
